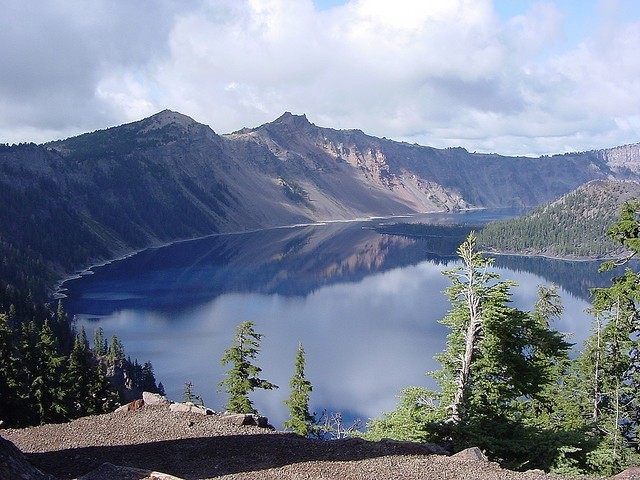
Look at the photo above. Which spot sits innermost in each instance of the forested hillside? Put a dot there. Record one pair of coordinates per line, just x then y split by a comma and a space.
573, 226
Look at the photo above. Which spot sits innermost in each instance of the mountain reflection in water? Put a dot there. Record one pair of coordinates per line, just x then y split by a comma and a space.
365, 306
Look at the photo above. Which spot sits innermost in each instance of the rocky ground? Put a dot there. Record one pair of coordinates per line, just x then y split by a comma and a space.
195, 446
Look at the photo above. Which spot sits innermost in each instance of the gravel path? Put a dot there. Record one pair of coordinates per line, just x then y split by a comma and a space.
194, 446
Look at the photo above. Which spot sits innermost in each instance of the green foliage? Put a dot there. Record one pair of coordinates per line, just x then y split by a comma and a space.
191, 397
293, 191
242, 376
416, 418
495, 353
89, 391
116, 350
300, 420
42, 381
575, 225
99, 342
609, 367
495, 371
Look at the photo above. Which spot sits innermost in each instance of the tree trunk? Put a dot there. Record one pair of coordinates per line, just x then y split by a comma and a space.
470, 340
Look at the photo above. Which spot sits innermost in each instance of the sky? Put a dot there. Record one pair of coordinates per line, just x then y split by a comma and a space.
515, 77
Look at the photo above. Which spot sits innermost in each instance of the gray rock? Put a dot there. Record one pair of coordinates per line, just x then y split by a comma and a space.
155, 399
473, 453
239, 418
189, 407
632, 473
108, 471
121, 409
536, 471
14, 466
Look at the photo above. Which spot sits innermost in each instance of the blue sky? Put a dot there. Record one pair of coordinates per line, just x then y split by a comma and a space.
514, 77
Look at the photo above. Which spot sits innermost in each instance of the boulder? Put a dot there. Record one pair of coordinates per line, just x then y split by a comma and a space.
189, 407
14, 466
130, 407
155, 399
108, 471
262, 422
239, 418
246, 419
473, 453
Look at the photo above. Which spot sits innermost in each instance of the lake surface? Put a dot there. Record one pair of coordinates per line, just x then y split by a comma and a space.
364, 305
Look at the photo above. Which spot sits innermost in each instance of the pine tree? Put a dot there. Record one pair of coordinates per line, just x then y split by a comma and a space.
497, 367
242, 377
608, 369
116, 350
8, 364
300, 419
79, 377
148, 379
99, 342
47, 388
496, 357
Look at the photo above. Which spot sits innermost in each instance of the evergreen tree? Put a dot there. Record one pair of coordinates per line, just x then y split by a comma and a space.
27, 373
300, 419
242, 377
89, 391
610, 363
79, 376
497, 358
495, 353
99, 342
116, 350
47, 388
8, 364
148, 379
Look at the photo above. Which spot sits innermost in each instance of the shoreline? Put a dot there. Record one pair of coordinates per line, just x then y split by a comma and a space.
550, 257
58, 289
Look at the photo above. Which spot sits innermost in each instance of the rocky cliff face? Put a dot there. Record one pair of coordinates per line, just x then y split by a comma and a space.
168, 177
624, 160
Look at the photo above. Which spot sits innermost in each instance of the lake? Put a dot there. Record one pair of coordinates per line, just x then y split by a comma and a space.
364, 305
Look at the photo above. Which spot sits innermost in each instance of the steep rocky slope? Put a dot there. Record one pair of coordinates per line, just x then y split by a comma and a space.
168, 177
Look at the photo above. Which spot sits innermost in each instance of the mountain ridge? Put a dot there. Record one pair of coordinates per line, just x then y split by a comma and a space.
168, 177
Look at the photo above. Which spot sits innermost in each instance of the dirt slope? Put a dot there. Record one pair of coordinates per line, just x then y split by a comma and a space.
193, 446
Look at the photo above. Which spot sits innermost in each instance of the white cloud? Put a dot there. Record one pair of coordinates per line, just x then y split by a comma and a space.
439, 73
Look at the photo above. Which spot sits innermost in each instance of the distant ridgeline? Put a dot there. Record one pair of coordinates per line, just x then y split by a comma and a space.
573, 226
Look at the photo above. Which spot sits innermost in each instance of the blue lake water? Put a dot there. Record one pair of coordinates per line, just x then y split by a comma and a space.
364, 305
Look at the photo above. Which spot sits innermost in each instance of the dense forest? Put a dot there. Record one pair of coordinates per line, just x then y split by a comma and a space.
573, 226
50, 373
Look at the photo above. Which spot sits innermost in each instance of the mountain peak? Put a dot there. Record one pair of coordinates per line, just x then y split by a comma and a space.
287, 118
168, 117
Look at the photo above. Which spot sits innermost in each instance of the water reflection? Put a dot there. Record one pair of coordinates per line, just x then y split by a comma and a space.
365, 306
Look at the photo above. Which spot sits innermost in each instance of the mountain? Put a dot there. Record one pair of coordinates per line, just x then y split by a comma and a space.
105, 193
575, 225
